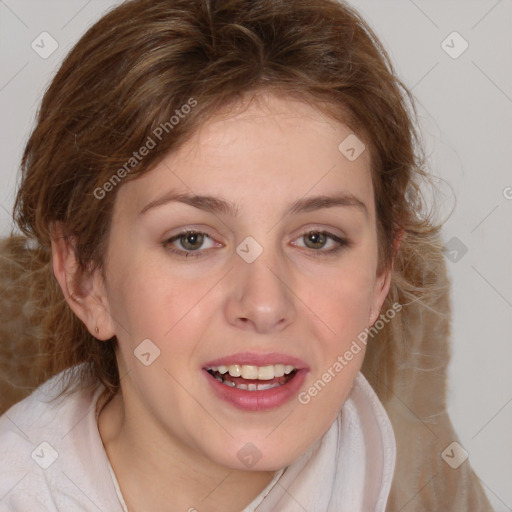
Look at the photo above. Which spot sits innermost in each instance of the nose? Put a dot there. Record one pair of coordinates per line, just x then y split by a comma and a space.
261, 297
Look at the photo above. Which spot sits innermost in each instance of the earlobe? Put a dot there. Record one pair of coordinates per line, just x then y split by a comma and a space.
383, 282
381, 290
84, 291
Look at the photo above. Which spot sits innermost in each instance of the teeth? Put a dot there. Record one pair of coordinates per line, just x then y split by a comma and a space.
279, 370
252, 372
235, 370
261, 387
266, 372
249, 371
256, 387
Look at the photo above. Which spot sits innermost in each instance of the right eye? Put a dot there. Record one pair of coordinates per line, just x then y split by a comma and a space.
191, 241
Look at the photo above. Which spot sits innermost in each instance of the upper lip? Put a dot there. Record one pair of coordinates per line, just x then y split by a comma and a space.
252, 358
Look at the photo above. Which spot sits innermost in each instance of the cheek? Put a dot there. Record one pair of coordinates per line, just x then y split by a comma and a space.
143, 301
342, 298
152, 299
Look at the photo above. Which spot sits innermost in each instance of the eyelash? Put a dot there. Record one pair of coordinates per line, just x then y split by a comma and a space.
343, 243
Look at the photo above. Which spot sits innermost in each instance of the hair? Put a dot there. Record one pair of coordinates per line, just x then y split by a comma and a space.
135, 69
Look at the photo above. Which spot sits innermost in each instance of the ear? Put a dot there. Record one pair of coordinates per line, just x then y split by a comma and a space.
84, 291
383, 281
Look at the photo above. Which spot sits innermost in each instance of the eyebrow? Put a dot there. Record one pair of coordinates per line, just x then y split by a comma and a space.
217, 205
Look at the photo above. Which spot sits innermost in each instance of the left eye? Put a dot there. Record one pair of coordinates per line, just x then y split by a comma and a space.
317, 240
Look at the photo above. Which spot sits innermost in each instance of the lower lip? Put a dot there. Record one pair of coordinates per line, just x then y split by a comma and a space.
263, 400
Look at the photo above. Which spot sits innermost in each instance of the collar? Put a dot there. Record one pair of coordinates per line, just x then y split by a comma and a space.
350, 468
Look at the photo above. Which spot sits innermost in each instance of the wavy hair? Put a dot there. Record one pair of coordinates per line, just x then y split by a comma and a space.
136, 68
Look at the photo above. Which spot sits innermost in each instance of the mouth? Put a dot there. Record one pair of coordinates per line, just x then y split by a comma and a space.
251, 377
254, 382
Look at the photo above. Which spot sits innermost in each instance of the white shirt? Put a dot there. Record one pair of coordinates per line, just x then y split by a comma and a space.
53, 459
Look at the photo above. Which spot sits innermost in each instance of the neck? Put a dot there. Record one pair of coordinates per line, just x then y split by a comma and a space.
156, 472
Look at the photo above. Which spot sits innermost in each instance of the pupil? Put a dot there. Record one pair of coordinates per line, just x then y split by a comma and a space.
317, 238
191, 239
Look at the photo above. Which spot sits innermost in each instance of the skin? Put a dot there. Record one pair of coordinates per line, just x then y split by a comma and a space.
167, 431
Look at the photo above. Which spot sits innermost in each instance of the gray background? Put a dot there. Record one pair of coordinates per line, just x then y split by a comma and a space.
465, 108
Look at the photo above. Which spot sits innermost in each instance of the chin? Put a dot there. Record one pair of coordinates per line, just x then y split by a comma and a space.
259, 454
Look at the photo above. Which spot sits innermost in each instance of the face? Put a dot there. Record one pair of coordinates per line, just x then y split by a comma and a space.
229, 305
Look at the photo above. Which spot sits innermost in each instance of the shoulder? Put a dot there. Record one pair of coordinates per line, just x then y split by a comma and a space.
44, 411
52, 455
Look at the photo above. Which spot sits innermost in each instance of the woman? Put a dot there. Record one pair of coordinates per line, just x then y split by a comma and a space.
222, 203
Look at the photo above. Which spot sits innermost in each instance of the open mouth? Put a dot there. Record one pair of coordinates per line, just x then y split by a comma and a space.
253, 378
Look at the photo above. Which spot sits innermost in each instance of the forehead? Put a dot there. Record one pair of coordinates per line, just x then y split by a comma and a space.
268, 150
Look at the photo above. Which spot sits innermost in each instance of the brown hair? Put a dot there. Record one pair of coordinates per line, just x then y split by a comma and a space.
135, 69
